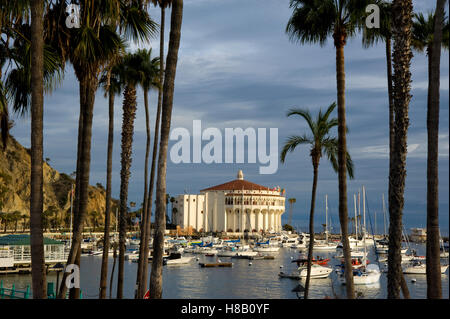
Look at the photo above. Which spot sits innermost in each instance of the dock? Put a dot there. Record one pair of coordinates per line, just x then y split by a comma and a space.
216, 264
262, 257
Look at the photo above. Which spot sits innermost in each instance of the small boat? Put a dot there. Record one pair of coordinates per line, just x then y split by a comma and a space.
132, 255
354, 254
325, 246
176, 259
356, 263
319, 261
266, 249
317, 271
260, 257
95, 252
217, 264
292, 275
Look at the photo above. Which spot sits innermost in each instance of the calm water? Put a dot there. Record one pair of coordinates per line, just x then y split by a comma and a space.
242, 281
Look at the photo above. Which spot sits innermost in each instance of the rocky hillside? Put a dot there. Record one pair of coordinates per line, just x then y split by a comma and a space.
15, 166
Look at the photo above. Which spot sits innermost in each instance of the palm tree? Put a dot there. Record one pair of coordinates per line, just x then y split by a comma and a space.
429, 36
151, 70
112, 87
320, 141
163, 4
24, 222
313, 21
168, 92
401, 31
37, 149
89, 48
292, 201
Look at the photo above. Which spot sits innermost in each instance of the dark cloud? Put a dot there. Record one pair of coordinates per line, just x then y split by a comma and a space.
237, 68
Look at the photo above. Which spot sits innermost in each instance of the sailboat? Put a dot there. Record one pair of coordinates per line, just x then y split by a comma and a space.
325, 245
367, 274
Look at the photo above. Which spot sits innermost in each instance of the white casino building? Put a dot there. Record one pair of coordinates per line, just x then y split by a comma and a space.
235, 206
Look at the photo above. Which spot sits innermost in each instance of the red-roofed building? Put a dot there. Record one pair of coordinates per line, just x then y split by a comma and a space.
235, 207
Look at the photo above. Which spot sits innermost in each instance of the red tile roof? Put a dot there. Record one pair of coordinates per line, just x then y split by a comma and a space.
237, 184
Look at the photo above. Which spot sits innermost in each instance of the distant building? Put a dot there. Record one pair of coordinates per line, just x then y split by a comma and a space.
235, 206
418, 234
15, 250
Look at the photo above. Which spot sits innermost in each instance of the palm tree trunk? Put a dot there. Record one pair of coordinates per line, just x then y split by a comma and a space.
402, 20
311, 226
169, 85
390, 95
433, 264
342, 161
403, 284
88, 87
144, 236
129, 114
112, 270
155, 143
37, 105
104, 269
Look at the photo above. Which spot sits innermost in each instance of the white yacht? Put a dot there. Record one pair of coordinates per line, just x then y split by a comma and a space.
419, 268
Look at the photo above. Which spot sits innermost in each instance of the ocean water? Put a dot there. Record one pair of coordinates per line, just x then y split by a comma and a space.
242, 281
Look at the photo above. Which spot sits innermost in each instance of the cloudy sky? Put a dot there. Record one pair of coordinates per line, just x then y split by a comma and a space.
237, 68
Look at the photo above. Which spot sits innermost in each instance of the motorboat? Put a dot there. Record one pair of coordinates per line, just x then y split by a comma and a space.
324, 246
317, 271
176, 259
420, 268
304, 260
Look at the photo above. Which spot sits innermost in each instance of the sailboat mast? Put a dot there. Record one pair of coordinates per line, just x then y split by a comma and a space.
384, 216
71, 204
359, 208
364, 225
356, 226
326, 218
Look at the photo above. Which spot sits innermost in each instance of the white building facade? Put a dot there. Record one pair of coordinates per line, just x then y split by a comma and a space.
236, 206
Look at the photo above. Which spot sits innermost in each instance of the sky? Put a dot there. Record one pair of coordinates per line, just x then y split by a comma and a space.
238, 68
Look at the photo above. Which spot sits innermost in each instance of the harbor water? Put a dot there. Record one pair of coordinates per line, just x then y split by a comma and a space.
246, 279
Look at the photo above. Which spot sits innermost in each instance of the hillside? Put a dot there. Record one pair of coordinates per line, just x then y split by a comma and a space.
15, 163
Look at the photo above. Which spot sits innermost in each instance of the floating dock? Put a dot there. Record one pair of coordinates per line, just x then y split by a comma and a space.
262, 257
216, 264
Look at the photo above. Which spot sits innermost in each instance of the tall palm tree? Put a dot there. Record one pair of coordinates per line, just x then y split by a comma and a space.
163, 4
292, 201
370, 37
429, 36
320, 141
150, 67
89, 48
112, 87
166, 116
401, 31
132, 73
313, 21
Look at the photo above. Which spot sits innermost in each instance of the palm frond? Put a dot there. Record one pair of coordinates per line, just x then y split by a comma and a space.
306, 115
291, 144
